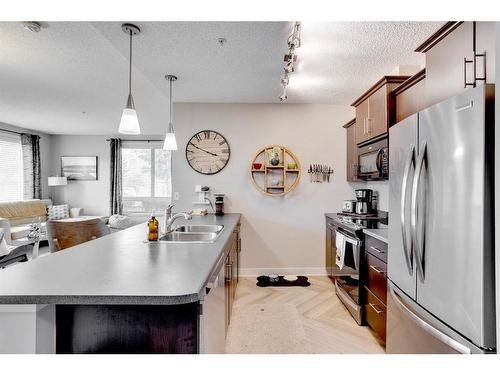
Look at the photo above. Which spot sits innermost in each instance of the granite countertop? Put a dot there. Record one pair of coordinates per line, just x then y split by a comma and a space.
379, 234
121, 268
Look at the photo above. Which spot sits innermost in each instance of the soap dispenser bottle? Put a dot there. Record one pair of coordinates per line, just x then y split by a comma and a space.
153, 226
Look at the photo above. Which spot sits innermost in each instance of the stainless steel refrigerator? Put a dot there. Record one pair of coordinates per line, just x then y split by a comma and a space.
441, 233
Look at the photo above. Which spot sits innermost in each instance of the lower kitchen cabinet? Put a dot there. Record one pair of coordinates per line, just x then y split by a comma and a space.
330, 250
375, 288
231, 273
375, 311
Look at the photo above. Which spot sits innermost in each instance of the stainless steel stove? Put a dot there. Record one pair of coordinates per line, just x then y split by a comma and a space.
346, 273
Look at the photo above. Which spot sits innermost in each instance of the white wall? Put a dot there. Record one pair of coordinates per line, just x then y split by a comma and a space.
45, 153
278, 232
286, 232
92, 196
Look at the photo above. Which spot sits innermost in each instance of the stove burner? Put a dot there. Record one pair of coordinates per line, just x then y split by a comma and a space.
357, 222
358, 216
349, 222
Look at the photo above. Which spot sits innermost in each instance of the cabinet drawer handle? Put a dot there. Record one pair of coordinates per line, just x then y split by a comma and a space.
377, 250
368, 130
377, 270
364, 126
374, 307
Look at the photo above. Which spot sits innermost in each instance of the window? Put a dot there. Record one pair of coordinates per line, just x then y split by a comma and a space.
146, 177
11, 167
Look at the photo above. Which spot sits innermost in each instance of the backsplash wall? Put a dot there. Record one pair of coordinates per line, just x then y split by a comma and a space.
381, 188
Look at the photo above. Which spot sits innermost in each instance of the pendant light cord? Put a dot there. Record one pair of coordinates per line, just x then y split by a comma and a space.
171, 101
130, 66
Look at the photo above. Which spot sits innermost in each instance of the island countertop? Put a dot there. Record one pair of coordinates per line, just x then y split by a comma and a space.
121, 268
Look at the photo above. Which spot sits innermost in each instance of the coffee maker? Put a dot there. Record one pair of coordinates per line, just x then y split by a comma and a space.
364, 199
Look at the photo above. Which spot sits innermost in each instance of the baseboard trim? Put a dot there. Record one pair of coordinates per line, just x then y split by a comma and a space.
304, 271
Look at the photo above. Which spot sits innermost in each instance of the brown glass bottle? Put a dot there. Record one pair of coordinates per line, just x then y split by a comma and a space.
153, 229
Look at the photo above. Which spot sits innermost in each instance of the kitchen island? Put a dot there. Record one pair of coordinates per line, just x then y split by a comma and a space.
122, 294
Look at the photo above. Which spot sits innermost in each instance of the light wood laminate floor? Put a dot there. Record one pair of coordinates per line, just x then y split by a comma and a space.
324, 323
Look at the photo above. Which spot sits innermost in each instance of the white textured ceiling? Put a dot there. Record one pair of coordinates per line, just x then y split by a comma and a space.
71, 77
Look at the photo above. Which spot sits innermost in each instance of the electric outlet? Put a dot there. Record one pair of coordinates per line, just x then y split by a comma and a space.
176, 196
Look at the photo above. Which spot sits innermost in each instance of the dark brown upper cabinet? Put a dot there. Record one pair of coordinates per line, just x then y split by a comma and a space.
455, 59
410, 96
351, 152
375, 109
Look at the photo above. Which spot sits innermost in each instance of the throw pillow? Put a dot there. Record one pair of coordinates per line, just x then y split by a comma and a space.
119, 222
58, 212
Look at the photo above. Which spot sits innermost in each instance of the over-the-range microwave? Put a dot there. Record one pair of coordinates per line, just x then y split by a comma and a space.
373, 160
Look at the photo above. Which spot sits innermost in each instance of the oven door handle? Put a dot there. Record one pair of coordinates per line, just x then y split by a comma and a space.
348, 237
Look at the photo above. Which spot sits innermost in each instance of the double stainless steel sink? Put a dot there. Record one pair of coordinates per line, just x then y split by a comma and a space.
193, 234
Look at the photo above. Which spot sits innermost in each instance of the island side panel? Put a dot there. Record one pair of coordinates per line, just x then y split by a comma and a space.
45, 329
127, 329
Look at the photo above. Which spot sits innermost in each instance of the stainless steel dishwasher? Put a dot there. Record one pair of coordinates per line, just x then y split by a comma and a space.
213, 316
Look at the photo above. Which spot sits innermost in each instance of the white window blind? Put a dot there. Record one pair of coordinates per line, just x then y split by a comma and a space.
146, 177
11, 167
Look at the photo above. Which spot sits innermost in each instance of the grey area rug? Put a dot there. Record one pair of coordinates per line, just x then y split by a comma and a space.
266, 329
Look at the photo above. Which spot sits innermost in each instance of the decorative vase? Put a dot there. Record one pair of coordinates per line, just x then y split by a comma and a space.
275, 156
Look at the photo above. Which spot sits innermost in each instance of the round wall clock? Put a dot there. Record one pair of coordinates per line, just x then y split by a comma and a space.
207, 152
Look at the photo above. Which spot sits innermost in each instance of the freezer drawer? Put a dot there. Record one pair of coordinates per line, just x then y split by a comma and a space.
413, 330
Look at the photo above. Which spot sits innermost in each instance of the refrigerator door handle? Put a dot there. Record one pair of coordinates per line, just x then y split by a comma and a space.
408, 255
418, 244
428, 327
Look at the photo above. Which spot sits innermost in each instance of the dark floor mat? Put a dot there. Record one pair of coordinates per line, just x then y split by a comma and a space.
263, 281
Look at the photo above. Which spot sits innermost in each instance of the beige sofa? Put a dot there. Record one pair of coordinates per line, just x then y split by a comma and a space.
16, 216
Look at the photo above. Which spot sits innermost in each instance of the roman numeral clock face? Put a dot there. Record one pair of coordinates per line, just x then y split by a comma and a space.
207, 152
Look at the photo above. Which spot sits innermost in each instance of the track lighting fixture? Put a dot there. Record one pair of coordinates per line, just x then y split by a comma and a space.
294, 39
290, 58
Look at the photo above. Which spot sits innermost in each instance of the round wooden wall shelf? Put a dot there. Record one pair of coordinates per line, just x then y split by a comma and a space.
274, 177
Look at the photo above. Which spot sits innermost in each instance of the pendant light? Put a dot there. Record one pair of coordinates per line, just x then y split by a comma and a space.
129, 123
170, 142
